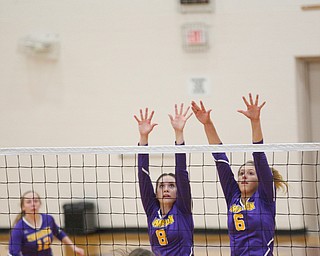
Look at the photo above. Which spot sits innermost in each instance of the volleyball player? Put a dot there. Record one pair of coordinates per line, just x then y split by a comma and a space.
251, 199
33, 231
169, 208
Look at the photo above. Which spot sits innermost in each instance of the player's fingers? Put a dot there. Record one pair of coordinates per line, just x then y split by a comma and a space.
250, 98
151, 115
241, 111
261, 106
189, 115
187, 110
257, 100
194, 110
245, 101
141, 114
195, 105
135, 117
181, 109
146, 113
202, 106
175, 109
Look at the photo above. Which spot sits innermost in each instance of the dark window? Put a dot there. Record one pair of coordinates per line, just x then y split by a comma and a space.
194, 1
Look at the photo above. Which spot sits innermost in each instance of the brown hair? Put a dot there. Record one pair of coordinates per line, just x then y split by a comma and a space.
22, 198
161, 176
277, 177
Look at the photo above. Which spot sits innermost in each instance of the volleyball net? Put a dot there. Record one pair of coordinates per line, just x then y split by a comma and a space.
94, 192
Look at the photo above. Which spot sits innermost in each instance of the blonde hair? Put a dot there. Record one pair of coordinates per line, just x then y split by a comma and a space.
22, 198
278, 180
277, 177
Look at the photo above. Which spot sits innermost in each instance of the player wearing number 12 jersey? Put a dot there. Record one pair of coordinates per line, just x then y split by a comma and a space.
33, 231
28, 240
250, 199
169, 213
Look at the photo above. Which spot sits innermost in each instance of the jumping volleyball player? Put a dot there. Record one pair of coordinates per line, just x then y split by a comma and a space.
168, 209
33, 232
251, 200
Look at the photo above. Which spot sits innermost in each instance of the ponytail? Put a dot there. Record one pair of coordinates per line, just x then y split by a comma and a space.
18, 217
278, 180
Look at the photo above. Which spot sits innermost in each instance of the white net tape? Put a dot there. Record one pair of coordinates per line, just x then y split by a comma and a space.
276, 147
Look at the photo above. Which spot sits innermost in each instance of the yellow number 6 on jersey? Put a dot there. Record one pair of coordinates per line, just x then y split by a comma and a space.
239, 222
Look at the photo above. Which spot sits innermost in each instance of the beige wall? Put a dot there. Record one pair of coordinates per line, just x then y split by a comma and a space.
119, 56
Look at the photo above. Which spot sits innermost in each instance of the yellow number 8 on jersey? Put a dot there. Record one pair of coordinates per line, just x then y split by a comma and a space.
162, 237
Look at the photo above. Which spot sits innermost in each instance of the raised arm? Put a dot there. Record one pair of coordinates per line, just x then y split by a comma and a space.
228, 183
145, 127
203, 116
253, 113
178, 122
266, 185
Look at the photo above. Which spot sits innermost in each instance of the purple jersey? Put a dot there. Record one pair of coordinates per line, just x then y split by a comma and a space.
251, 226
172, 234
27, 241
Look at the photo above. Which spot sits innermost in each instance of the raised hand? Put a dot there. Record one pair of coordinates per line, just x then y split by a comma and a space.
144, 123
203, 116
181, 117
253, 108
201, 113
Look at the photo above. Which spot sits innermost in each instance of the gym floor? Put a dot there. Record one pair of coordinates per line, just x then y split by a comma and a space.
205, 245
